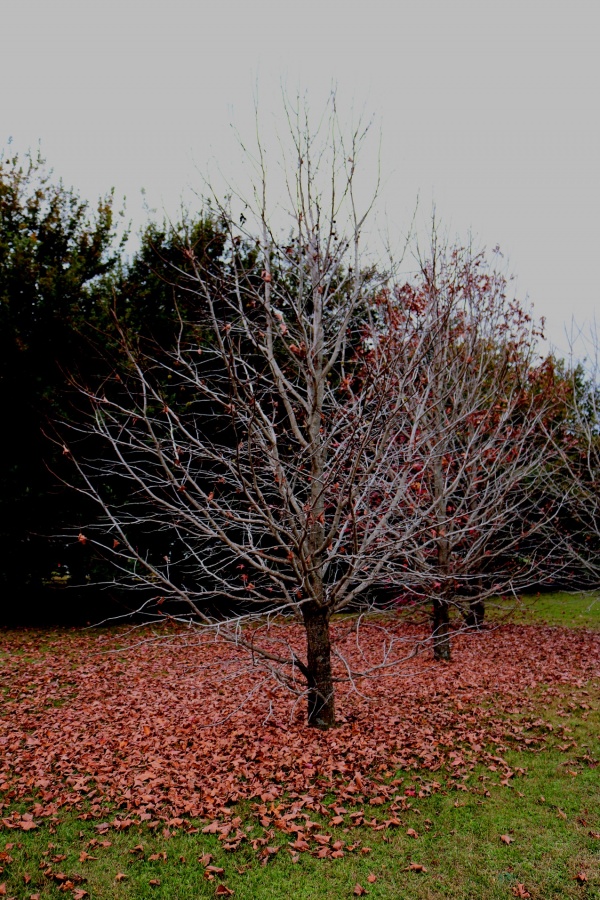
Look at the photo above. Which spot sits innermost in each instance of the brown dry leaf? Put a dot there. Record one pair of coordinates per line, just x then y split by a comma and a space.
154, 882
415, 867
371, 878
412, 833
223, 891
519, 890
3, 889
121, 876
359, 890
581, 877
506, 839
300, 845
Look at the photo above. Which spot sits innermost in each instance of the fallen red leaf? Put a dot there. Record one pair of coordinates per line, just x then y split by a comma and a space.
359, 890
519, 890
300, 845
506, 839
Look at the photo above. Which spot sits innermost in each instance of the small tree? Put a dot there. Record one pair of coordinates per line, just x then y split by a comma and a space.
481, 413
261, 450
579, 447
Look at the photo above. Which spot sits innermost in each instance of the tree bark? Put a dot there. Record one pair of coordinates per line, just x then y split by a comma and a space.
321, 701
441, 630
476, 614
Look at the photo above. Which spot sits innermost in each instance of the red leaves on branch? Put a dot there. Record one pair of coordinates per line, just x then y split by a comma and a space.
94, 721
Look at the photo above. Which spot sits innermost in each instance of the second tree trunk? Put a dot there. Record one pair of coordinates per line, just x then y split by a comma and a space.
441, 629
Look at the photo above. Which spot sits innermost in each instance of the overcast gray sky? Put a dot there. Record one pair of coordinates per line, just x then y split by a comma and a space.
490, 110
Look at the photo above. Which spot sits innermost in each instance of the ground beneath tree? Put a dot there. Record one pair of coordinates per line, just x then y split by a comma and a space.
176, 727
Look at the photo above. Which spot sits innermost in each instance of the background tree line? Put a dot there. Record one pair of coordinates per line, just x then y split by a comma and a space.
64, 275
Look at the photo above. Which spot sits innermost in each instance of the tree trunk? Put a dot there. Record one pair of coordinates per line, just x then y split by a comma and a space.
321, 700
475, 616
441, 630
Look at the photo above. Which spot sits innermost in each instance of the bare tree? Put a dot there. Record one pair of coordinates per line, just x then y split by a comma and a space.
480, 409
316, 434
259, 463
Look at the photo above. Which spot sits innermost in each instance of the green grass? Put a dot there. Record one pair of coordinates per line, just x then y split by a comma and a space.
459, 841
572, 610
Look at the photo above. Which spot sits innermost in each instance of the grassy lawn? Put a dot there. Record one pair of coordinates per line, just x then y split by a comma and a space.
537, 835
548, 816
571, 610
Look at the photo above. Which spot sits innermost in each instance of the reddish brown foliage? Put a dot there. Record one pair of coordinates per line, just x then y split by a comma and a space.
159, 728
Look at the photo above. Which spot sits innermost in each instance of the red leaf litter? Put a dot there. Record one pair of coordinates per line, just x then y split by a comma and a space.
175, 727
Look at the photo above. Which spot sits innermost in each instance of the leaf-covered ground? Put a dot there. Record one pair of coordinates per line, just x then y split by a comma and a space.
177, 728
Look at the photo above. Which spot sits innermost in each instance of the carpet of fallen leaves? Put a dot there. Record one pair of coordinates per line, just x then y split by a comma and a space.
173, 728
